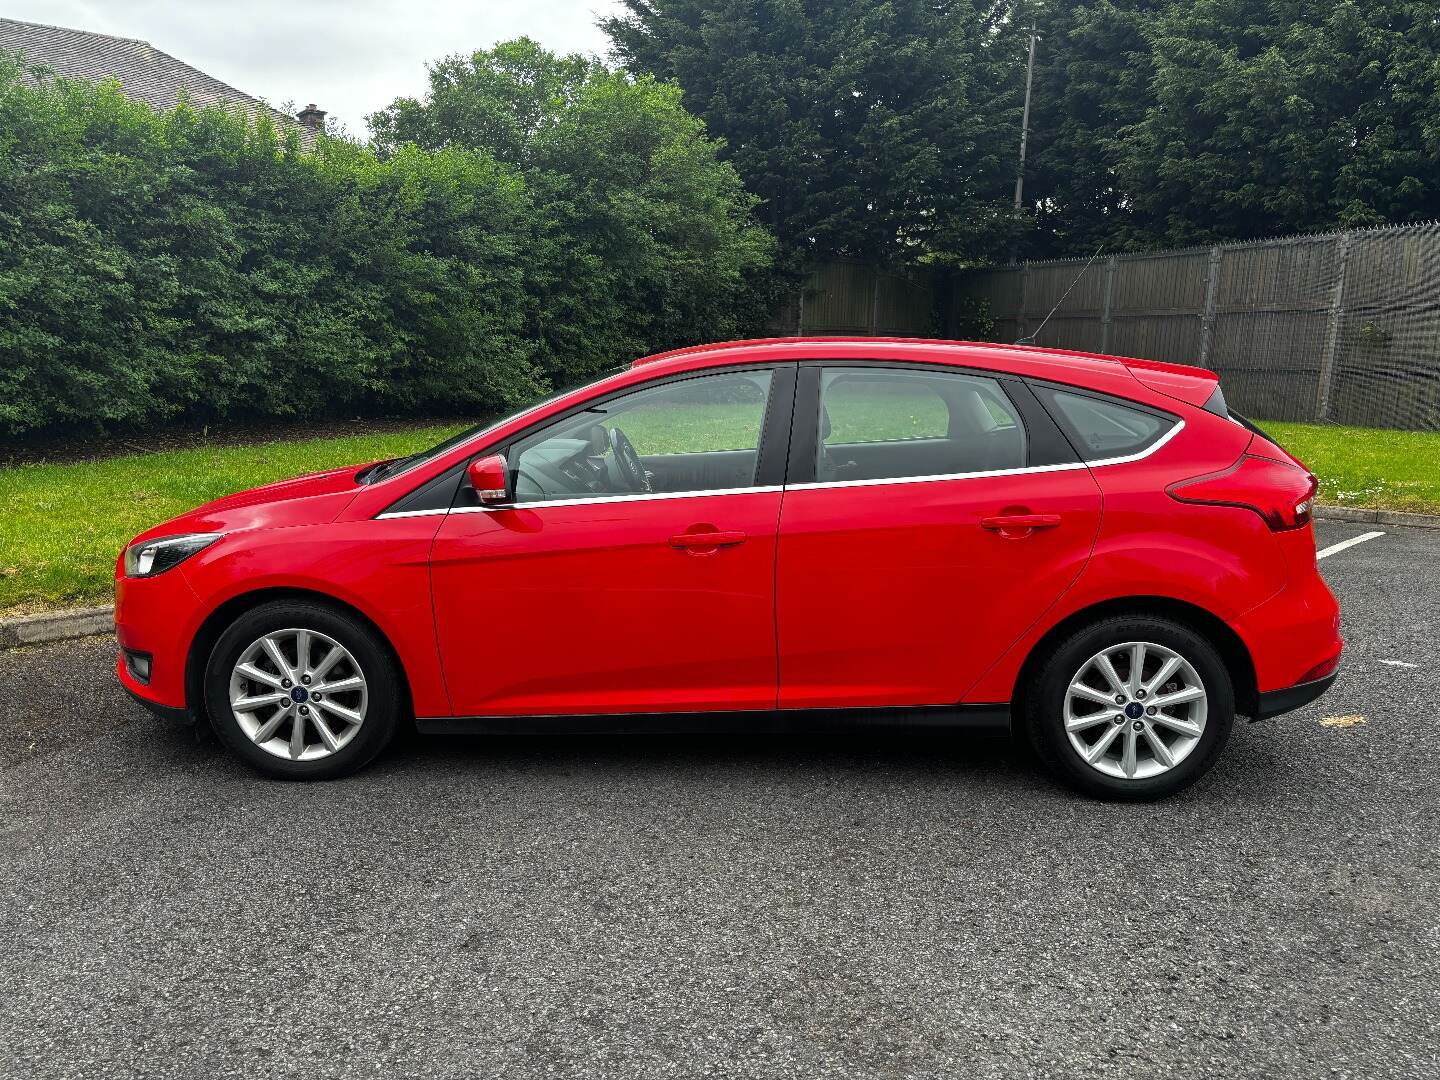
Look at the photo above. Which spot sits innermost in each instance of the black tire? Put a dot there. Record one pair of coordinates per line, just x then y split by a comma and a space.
371, 656
1044, 717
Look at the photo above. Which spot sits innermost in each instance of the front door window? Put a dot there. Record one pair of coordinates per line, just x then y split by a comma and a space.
692, 435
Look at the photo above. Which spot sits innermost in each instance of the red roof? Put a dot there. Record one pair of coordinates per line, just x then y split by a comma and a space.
1194, 384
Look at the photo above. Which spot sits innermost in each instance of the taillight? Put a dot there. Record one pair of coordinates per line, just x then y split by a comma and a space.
1281, 493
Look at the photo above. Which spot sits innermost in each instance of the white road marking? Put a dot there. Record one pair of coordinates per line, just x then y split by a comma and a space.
1399, 663
1335, 549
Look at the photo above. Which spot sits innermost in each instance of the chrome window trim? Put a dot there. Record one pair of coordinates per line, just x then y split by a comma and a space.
818, 485
436, 512
638, 496
1062, 467
653, 496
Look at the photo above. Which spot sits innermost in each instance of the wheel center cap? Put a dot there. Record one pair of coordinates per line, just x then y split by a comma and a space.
299, 694
1134, 710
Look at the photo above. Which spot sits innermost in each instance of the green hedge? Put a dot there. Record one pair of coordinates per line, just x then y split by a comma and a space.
192, 265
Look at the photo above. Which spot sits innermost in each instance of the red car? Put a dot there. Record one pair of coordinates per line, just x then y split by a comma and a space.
817, 534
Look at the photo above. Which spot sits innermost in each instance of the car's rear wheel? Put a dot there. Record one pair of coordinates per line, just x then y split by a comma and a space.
1131, 707
302, 691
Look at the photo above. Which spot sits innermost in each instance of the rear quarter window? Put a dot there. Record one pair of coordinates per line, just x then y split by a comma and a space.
1101, 427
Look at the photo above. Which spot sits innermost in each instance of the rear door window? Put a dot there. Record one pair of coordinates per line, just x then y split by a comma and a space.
1101, 427
884, 423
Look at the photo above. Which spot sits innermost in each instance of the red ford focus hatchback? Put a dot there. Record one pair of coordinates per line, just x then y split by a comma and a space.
779, 535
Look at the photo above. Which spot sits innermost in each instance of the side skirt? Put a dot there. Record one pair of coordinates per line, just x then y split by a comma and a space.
984, 718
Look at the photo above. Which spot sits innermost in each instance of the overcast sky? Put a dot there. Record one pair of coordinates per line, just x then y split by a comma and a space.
350, 57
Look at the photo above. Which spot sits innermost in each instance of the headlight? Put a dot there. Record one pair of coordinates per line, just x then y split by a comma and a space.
151, 557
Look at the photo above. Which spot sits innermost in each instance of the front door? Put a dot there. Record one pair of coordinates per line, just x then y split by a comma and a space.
936, 520
634, 570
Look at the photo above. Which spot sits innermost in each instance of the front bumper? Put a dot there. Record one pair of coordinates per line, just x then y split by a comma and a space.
165, 712
155, 617
1277, 702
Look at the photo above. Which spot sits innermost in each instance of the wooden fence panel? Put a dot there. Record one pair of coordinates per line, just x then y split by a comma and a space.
848, 298
839, 298
905, 305
1157, 307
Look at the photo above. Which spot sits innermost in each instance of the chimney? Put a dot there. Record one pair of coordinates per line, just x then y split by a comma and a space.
312, 118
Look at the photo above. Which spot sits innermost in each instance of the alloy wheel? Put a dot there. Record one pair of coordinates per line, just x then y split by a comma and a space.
298, 694
1135, 710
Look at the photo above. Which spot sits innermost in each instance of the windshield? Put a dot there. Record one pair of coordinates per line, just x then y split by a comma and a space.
386, 469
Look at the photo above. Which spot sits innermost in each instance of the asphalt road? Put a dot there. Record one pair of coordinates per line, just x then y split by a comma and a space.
634, 907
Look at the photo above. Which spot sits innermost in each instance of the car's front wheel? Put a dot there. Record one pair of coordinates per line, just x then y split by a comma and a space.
1131, 707
302, 691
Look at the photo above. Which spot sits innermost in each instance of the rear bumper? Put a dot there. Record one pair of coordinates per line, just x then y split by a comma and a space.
1294, 638
1277, 702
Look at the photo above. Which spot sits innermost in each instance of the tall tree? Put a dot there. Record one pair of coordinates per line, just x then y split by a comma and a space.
192, 264
1092, 86
887, 128
1272, 116
881, 129
645, 236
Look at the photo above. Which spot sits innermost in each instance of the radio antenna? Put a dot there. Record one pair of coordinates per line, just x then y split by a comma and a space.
1029, 339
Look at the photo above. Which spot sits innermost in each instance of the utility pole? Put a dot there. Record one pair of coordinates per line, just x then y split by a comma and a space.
1025, 121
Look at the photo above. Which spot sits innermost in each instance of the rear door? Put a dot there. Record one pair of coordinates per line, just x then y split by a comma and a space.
933, 514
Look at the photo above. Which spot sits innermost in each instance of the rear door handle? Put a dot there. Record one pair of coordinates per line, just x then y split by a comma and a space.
1001, 522
707, 541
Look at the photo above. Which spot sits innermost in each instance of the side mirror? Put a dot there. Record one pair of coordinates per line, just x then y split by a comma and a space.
489, 476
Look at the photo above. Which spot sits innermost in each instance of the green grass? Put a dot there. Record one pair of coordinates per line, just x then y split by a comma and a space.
709, 426
1367, 467
701, 428
62, 526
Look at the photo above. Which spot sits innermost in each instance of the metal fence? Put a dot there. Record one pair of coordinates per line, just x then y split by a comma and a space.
1341, 327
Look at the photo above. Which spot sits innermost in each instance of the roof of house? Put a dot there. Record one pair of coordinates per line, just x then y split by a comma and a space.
144, 72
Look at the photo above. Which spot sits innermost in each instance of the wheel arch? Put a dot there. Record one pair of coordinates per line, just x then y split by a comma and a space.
1227, 642
214, 624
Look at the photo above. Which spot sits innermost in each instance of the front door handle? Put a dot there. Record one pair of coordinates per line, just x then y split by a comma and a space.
703, 542
1019, 523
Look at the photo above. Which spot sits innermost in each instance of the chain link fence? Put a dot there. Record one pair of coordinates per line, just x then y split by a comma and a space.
1342, 327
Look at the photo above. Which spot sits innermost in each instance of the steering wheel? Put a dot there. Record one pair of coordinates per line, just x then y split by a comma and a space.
632, 470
